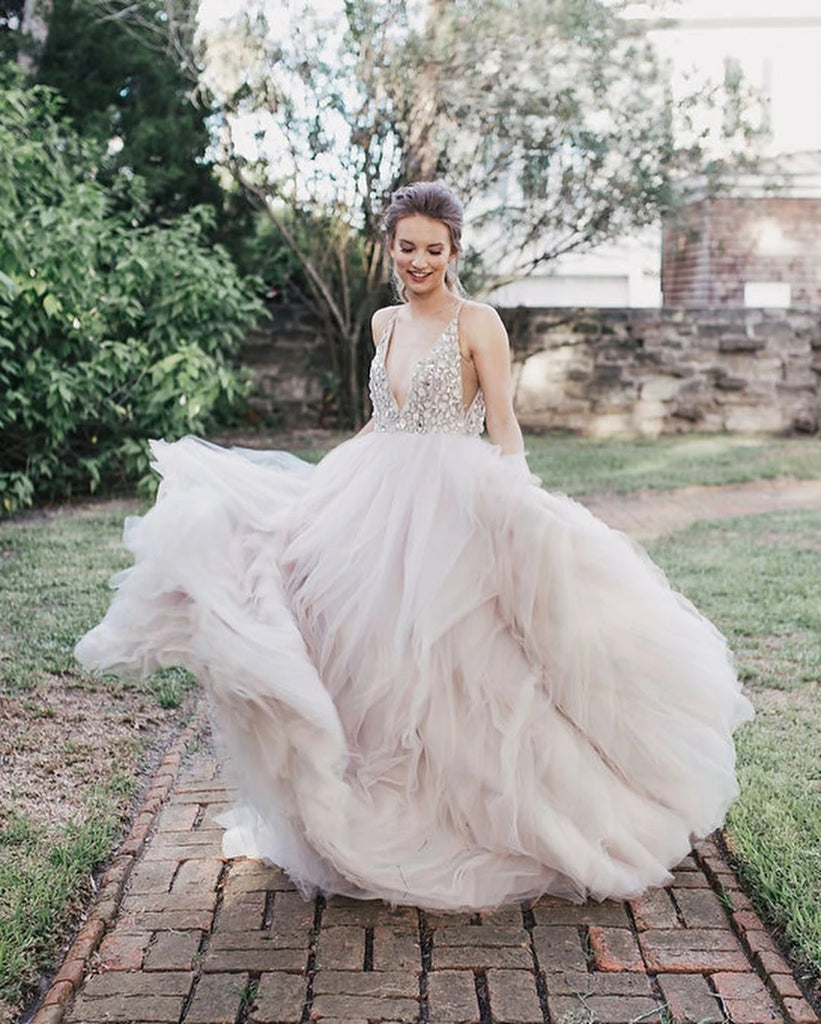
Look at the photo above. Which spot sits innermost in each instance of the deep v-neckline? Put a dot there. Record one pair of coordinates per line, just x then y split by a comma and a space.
400, 408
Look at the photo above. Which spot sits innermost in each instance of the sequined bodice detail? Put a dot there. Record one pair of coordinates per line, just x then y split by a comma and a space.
434, 402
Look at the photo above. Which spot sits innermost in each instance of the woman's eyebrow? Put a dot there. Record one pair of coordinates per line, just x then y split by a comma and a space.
431, 245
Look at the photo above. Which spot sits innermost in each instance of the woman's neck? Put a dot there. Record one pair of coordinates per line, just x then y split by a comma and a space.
436, 305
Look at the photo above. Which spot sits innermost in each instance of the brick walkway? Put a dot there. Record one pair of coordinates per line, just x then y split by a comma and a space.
179, 936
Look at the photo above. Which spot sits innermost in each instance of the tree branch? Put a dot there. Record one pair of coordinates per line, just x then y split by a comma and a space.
287, 236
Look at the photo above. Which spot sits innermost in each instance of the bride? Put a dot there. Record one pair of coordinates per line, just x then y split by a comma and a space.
436, 682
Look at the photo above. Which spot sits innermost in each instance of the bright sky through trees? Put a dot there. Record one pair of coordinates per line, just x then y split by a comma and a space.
211, 11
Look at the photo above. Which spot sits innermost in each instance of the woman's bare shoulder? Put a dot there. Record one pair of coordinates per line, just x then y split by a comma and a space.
381, 318
480, 322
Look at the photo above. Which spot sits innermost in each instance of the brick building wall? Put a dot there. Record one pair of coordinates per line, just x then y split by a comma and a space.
714, 246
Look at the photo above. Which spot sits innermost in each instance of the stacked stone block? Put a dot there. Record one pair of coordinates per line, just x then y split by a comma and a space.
651, 372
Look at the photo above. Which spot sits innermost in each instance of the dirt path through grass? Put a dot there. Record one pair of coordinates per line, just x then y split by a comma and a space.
647, 515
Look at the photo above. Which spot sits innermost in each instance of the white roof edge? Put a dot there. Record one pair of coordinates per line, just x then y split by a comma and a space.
667, 24
752, 187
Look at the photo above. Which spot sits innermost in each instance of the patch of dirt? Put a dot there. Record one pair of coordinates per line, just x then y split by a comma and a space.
71, 508
60, 742
649, 515
772, 699
68, 741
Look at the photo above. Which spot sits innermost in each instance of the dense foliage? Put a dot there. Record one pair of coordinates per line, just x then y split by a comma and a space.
126, 83
11, 12
111, 330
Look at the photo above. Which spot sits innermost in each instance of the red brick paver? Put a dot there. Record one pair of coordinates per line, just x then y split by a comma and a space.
202, 941
188, 938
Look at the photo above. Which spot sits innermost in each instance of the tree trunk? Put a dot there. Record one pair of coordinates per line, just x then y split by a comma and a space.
421, 155
34, 25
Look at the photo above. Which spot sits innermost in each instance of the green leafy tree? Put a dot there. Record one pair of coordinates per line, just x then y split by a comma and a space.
128, 73
110, 331
11, 14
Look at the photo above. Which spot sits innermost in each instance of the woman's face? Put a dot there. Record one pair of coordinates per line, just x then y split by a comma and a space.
421, 251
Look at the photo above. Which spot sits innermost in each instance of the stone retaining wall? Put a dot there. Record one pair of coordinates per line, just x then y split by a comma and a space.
289, 360
600, 372
607, 372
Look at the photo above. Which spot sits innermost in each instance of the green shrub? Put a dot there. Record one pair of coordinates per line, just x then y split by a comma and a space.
111, 332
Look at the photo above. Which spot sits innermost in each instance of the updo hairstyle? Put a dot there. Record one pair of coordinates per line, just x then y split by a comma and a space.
430, 199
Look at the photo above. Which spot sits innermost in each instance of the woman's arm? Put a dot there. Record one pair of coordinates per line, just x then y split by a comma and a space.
488, 346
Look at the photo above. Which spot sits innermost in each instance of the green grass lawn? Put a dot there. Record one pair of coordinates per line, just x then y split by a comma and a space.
580, 465
758, 580
585, 466
75, 748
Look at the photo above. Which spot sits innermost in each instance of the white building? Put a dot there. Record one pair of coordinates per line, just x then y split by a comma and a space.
775, 47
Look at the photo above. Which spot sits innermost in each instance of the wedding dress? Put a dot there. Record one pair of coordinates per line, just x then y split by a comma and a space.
436, 682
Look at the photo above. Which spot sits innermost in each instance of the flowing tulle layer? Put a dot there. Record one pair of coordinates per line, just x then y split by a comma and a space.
436, 682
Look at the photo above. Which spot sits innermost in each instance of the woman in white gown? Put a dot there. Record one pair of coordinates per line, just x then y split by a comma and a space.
436, 682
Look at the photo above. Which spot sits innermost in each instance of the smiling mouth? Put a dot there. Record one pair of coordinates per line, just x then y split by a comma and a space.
417, 276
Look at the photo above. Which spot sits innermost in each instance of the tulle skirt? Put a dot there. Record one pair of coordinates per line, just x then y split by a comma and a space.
436, 682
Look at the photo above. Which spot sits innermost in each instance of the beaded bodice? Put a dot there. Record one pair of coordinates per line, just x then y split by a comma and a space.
434, 402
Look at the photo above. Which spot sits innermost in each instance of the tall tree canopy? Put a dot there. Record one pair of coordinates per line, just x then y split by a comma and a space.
111, 331
551, 118
128, 73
